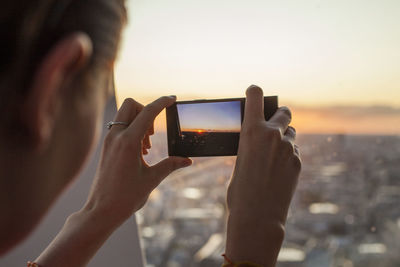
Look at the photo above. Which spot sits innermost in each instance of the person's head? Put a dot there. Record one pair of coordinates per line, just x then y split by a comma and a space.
56, 60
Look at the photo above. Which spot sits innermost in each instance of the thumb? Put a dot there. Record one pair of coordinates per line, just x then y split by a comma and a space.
168, 165
254, 107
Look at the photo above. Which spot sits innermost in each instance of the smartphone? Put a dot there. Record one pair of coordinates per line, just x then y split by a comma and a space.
204, 128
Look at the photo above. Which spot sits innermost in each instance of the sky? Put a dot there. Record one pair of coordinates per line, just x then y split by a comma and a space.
314, 54
216, 116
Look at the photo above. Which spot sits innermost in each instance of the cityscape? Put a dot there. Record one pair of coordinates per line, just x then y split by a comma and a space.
345, 211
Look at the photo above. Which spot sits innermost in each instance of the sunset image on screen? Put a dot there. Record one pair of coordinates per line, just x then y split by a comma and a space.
210, 117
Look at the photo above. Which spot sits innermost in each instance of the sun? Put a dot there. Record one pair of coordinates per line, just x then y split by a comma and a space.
200, 131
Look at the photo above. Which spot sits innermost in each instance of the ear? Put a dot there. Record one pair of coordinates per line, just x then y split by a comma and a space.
61, 63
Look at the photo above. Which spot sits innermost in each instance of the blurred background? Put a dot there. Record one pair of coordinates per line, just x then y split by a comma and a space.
336, 64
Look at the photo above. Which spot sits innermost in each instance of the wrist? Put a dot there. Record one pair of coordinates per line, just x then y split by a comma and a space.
80, 238
254, 239
110, 214
261, 230
97, 218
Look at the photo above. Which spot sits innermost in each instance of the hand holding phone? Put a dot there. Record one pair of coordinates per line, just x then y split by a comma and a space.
262, 185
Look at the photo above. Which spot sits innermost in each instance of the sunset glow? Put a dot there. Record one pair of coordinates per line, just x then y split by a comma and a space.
315, 55
325, 121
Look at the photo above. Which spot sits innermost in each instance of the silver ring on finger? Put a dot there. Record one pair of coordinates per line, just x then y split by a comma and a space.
112, 123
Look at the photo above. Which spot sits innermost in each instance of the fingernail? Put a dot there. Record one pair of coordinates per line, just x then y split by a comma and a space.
173, 96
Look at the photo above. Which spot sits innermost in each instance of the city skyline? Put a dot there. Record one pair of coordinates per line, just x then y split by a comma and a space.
344, 211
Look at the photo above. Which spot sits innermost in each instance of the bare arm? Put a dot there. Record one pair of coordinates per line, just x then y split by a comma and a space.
262, 185
82, 235
122, 185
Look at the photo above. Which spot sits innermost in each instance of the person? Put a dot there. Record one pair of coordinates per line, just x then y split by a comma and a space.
55, 73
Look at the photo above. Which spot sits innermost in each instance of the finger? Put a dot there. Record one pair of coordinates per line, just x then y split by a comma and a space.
151, 130
145, 119
146, 142
290, 136
297, 150
167, 166
254, 107
290, 133
127, 113
128, 110
281, 118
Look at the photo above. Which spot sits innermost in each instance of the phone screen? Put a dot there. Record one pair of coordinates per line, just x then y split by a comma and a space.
210, 118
